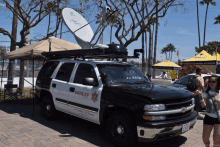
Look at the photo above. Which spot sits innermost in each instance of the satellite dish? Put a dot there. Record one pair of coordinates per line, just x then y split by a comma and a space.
74, 21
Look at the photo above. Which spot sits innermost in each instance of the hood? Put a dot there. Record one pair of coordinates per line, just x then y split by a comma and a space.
154, 92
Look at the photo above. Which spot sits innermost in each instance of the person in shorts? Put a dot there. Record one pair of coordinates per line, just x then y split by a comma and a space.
211, 120
199, 91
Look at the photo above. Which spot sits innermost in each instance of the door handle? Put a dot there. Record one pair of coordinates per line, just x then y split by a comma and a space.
72, 89
54, 85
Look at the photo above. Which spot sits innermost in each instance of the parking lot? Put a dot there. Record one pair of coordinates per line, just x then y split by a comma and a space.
20, 129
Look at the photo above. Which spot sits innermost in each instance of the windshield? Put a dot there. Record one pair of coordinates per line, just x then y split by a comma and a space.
122, 74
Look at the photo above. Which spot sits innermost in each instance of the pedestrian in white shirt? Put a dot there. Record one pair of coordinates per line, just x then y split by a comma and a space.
163, 75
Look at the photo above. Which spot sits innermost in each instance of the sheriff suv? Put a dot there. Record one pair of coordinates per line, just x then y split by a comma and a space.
116, 95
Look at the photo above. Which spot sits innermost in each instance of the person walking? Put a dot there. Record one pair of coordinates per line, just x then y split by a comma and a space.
163, 75
211, 119
199, 91
149, 76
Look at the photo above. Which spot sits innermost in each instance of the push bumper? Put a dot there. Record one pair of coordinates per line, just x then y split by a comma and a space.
154, 132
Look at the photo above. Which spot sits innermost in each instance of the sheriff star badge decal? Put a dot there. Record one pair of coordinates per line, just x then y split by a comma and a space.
94, 97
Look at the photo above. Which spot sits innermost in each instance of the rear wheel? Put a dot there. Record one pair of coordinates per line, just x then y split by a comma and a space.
47, 108
120, 130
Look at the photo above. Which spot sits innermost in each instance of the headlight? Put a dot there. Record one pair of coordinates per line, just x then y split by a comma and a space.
154, 117
193, 101
154, 107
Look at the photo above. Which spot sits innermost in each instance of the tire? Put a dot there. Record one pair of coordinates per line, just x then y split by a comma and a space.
121, 130
47, 108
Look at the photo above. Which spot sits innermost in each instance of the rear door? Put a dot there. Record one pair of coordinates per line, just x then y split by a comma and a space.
60, 88
84, 100
44, 77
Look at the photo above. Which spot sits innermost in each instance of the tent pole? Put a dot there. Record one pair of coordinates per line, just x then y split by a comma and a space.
33, 86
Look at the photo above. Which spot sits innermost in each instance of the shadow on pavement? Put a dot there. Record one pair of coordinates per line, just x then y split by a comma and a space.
69, 126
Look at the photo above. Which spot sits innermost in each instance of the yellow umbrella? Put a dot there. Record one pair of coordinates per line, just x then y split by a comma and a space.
202, 58
218, 56
166, 65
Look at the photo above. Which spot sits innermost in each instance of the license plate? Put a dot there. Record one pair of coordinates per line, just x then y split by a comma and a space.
185, 127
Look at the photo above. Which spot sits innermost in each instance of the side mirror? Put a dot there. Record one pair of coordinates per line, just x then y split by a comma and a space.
103, 75
89, 82
148, 75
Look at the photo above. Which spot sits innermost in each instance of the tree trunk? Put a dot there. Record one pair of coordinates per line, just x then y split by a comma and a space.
205, 23
143, 62
146, 46
111, 35
155, 41
13, 45
171, 56
61, 28
58, 5
21, 79
197, 4
150, 51
48, 28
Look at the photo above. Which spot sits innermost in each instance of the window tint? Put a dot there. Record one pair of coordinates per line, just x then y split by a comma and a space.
48, 69
84, 70
65, 71
184, 80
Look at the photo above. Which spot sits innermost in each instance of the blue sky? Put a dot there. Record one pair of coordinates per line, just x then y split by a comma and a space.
176, 28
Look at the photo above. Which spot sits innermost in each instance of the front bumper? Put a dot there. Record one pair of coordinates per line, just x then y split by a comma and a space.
163, 131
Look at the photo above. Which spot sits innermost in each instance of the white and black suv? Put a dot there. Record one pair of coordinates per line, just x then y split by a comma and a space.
114, 94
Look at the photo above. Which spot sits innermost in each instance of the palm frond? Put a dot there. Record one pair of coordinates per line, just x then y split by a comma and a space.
217, 20
201, 3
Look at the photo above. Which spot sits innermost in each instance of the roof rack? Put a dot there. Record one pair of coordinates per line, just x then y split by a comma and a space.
111, 53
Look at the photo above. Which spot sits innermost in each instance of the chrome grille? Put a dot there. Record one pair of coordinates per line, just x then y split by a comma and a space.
178, 115
178, 105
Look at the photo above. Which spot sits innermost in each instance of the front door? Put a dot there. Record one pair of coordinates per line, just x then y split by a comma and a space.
60, 87
84, 101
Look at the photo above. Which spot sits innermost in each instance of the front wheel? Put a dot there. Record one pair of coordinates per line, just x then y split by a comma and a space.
47, 108
120, 130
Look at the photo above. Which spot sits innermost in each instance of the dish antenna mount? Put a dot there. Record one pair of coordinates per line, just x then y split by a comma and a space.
81, 29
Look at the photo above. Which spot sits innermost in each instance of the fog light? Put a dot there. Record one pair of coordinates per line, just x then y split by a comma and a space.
154, 117
142, 132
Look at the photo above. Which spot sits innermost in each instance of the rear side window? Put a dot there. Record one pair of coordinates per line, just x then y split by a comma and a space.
48, 69
65, 71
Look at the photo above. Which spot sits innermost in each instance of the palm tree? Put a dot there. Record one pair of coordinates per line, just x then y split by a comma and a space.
172, 49
207, 2
197, 4
169, 48
164, 51
155, 40
217, 20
